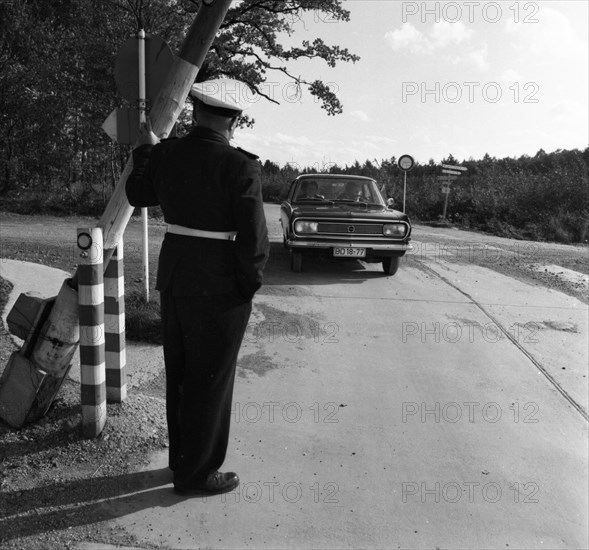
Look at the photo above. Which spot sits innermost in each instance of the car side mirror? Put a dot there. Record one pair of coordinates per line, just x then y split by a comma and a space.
390, 203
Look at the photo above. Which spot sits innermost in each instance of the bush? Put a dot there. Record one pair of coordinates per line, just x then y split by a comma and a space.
568, 227
55, 204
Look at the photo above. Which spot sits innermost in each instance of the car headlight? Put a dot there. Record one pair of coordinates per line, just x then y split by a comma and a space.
394, 230
305, 227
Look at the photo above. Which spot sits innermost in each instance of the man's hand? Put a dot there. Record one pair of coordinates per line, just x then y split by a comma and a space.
146, 135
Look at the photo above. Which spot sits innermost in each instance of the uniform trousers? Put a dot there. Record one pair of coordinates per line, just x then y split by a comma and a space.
201, 338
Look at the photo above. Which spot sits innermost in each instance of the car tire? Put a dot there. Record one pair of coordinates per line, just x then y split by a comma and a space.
391, 265
296, 261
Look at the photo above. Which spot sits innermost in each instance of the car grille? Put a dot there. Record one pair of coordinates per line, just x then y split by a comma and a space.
356, 229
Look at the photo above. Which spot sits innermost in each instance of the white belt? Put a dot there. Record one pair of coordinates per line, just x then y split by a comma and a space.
221, 235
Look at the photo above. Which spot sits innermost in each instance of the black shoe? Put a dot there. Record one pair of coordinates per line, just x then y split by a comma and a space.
216, 483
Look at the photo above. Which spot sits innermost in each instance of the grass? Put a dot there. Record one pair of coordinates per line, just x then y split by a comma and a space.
5, 288
142, 319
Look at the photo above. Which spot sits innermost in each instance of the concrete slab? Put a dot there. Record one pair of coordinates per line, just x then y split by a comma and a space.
549, 325
29, 277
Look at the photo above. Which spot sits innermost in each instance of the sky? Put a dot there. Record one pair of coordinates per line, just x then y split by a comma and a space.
464, 78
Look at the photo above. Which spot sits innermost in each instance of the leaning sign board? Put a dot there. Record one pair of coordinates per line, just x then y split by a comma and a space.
122, 125
453, 167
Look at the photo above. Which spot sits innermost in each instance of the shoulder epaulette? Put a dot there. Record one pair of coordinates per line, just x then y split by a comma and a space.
247, 153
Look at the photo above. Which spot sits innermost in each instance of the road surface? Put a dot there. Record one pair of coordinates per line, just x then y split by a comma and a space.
444, 407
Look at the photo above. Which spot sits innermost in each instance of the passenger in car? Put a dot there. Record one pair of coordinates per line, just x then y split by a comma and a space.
352, 191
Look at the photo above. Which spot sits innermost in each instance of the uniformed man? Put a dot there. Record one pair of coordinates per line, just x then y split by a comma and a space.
210, 267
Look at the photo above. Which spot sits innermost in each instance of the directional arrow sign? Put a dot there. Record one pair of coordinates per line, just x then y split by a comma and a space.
455, 172
452, 167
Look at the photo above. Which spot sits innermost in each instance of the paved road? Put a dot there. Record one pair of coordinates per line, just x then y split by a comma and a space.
443, 407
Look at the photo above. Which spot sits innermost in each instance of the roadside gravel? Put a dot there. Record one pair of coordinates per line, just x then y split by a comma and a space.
55, 485
536, 263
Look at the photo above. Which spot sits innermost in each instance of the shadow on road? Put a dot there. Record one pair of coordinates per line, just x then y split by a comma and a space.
316, 270
84, 501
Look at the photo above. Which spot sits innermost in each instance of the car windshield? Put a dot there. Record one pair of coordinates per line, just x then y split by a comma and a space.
337, 190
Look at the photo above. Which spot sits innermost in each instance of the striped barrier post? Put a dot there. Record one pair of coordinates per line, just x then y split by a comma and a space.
114, 322
91, 314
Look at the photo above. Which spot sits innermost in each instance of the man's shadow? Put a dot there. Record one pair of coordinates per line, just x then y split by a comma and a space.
83, 501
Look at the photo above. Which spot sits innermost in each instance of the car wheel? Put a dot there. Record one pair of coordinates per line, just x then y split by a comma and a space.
391, 265
296, 261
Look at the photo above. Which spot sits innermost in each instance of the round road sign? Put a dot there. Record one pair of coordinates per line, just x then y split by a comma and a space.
406, 162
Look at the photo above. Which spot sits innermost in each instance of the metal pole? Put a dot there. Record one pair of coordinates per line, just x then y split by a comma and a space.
141, 46
404, 189
445, 204
142, 120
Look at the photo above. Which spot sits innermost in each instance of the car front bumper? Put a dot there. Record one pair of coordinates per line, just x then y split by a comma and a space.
368, 245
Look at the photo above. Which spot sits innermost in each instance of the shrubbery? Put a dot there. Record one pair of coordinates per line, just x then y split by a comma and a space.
545, 197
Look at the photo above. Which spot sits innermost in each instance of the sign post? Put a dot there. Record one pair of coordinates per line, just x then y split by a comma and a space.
452, 172
140, 69
143, 120
405, 163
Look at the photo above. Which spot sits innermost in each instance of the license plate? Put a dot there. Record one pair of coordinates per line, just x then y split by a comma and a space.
349, 252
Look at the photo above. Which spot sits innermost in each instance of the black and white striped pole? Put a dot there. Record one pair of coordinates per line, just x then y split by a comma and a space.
92, 339
114, 326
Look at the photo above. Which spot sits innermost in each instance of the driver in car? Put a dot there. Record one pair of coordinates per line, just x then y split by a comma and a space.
309, 190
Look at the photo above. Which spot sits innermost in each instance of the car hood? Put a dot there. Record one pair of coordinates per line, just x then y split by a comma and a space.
348, 210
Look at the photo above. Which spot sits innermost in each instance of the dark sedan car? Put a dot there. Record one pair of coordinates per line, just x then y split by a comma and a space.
343, 217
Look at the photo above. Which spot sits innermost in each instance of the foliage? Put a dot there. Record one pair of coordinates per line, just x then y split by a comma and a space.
247, 46
57, 84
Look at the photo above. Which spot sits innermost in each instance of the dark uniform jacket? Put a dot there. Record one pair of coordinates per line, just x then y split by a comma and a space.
202, 182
